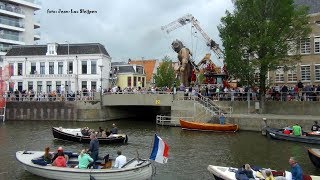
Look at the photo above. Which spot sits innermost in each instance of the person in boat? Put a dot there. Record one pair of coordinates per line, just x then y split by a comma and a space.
269, 175
103, 134
60, 151
296, 130
286, 131
244, 172
222, 118
84, 159
108, 132
315, 126
47, 155
114, 129
120, 160
60, 161
94, 148
296, 170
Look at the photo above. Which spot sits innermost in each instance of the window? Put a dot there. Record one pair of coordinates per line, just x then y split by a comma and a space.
305, 72
70, 67
58, 87
11, 69
279, 74
84, 84
19, 69
305, 46
33, 68
30, 85
139, 70
20, 86
42, 68
93, 85
317, 45
142, 81
93, 67
39, 86
134, 81
129, 81
49, 86
84, 67
51, 67
292, 49
317, 72
60, 67
292, 75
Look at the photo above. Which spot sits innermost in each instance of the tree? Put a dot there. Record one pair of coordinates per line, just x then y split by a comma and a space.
165, 75
258, 35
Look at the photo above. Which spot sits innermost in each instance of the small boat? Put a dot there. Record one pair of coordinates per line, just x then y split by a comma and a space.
200, 126
313, 133
229, 173
278, 134
314, 156
135, 169
75, 135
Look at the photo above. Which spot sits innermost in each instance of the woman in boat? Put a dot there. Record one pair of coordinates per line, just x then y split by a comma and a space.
47, 155
60, 161
84, 160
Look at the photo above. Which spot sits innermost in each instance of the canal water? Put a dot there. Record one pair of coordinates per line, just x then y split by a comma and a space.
190, 151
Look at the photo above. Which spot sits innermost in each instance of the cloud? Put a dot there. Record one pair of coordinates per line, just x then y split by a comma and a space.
131, 29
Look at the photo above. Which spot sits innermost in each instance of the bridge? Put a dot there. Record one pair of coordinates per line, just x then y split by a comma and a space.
196, 107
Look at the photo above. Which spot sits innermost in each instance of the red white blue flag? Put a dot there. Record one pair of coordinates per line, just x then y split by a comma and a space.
159, 151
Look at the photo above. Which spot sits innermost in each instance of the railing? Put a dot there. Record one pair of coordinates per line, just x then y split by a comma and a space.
11, 22
11, 8
170, 120
137, 92
50, 75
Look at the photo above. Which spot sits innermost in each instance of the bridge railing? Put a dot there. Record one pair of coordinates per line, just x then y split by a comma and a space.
170, 120
138, 92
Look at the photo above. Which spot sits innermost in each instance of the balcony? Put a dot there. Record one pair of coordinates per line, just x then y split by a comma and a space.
11, 25
36, 4
11, 10
11, 39
51, 76
37, 36
36, 24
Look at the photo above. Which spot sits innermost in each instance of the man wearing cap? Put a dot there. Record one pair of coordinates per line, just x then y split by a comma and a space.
94, 148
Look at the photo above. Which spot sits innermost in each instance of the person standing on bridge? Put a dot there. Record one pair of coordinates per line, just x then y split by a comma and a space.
222, 118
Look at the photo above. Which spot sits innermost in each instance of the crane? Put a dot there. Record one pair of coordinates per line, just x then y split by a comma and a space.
188, 18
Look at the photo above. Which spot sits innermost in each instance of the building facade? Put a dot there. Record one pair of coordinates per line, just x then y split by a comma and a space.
128, 75
18, 25
58, 67
308, 69
150, 67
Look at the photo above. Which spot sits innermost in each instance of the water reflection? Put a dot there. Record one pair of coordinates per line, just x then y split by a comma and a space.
189, 155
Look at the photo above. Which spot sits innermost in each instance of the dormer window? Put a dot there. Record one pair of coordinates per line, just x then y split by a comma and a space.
52, 49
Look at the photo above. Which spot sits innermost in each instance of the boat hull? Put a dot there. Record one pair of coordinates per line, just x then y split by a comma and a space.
314, 156
208, 126
277, 134
142, 172
77, 137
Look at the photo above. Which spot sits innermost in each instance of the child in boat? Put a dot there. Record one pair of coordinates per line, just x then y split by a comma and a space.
269, 175
47, 155
84, 160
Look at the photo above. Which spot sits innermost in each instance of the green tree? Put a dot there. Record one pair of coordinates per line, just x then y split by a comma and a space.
165, 75
258, 35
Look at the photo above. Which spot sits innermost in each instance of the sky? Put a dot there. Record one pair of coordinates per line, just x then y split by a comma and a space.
132, 28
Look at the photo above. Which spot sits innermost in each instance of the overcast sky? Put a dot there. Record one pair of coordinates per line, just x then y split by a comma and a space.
131, 28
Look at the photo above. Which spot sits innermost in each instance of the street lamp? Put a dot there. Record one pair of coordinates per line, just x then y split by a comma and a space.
101, 67
25, 66
68, 70
77, 86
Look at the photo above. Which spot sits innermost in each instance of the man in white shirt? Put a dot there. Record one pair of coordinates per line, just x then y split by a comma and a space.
120, 160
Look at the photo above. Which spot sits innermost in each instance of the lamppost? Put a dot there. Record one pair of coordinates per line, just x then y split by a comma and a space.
101, 67
25, 66
77, 86
68, 70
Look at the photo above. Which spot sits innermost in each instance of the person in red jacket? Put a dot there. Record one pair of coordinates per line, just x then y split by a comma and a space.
60, 161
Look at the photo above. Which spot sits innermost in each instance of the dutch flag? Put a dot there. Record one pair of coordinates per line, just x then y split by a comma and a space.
159, 151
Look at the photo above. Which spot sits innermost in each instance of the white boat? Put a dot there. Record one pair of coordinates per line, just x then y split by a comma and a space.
229, 173
135, 169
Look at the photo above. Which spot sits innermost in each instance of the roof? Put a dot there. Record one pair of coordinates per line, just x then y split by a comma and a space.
125, 69
148, 65
314, 5
41, 50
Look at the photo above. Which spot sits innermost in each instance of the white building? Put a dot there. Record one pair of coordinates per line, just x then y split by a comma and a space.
17, 23
58, 67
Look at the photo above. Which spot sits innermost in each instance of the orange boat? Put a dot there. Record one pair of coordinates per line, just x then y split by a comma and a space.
208, 126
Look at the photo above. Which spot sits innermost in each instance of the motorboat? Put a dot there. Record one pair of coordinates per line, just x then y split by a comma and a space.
278, 134
314, 156
201, 126
229, 173
134, 169
76, 135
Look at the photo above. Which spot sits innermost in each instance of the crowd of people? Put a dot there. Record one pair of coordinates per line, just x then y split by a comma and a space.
88, 157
